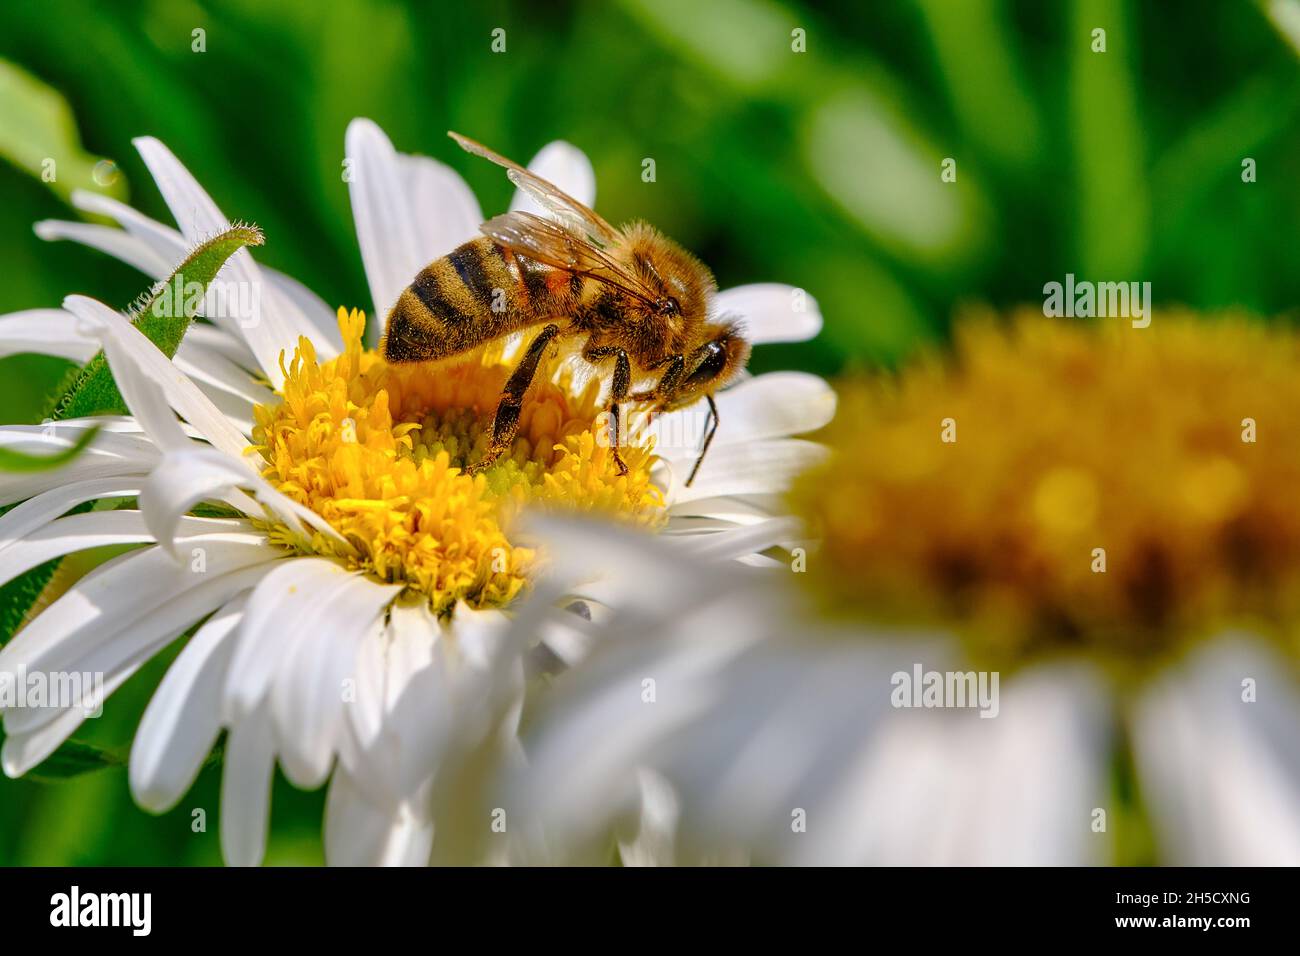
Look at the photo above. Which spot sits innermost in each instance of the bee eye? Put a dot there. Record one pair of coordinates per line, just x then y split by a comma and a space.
668, 306
711, 366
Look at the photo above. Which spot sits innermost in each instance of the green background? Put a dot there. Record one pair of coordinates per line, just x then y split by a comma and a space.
820, 168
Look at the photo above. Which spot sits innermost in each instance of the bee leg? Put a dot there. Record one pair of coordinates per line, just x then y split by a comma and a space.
667, 382
618, 391
506, 421
708, 439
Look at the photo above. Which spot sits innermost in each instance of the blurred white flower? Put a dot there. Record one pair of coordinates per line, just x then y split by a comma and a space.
720, 715
1074, 519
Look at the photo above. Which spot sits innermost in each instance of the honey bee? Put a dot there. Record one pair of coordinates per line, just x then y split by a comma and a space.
639, 303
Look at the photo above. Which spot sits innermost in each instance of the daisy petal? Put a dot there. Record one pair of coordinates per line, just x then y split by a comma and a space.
183, 719
41, 509
444, 209
388, 660
67, 535
246, 790
307, 700
775, 405
114, 242
207, 365
731, 544
294, 601
385, 220
564, 165
119, 646
757, 467
109, 599
137, 358
359, 833
278, 322
771, 312
167, 244
184, 478
116, 648
216, 340
1224, 769
45, 332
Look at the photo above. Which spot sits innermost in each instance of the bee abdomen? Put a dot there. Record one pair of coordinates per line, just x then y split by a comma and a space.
454, 304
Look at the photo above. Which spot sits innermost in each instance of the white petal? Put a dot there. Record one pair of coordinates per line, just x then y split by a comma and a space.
388, 659
775, 405
246, 789
361, 833
23, 751
206, 365
771, 312
45, 332
219, 340
290, 294
742, 541
115, 645
238, 411
128, 589
143, 397
276, 324
120, 644
45, 507
115, 242
17, 486
167, 244
736, 509
140, 358
385, 220
120, 437
183, 719
307, 700
758, 467
654, 842
170, 248
454, 702
1220, 774
184, 478
950, 788
294, 601
445, 211
564, 165
77, 532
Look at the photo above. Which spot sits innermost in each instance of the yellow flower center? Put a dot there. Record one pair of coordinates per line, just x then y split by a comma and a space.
378, 451
1059, 485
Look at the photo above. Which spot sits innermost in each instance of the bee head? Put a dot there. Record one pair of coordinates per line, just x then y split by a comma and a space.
712, 365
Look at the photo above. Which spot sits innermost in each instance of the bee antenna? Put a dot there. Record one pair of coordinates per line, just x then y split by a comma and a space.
708, 439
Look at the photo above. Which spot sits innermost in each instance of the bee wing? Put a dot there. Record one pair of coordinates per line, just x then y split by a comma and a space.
576, 216
549, 242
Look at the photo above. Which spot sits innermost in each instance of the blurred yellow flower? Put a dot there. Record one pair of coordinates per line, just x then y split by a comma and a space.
1055, 482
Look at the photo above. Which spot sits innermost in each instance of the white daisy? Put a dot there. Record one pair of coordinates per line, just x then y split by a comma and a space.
351, 592
1100, 530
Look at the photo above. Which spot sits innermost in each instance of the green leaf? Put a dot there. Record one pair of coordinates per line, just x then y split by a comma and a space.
38, 135
72, 759
163, 314
11, 460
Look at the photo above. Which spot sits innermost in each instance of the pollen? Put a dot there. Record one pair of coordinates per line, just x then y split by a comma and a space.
379, 451
1049, 485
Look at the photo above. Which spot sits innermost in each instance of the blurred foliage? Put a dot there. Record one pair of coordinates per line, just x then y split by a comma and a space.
819, 168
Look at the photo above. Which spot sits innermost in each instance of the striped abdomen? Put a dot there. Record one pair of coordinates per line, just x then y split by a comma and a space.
478, 292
